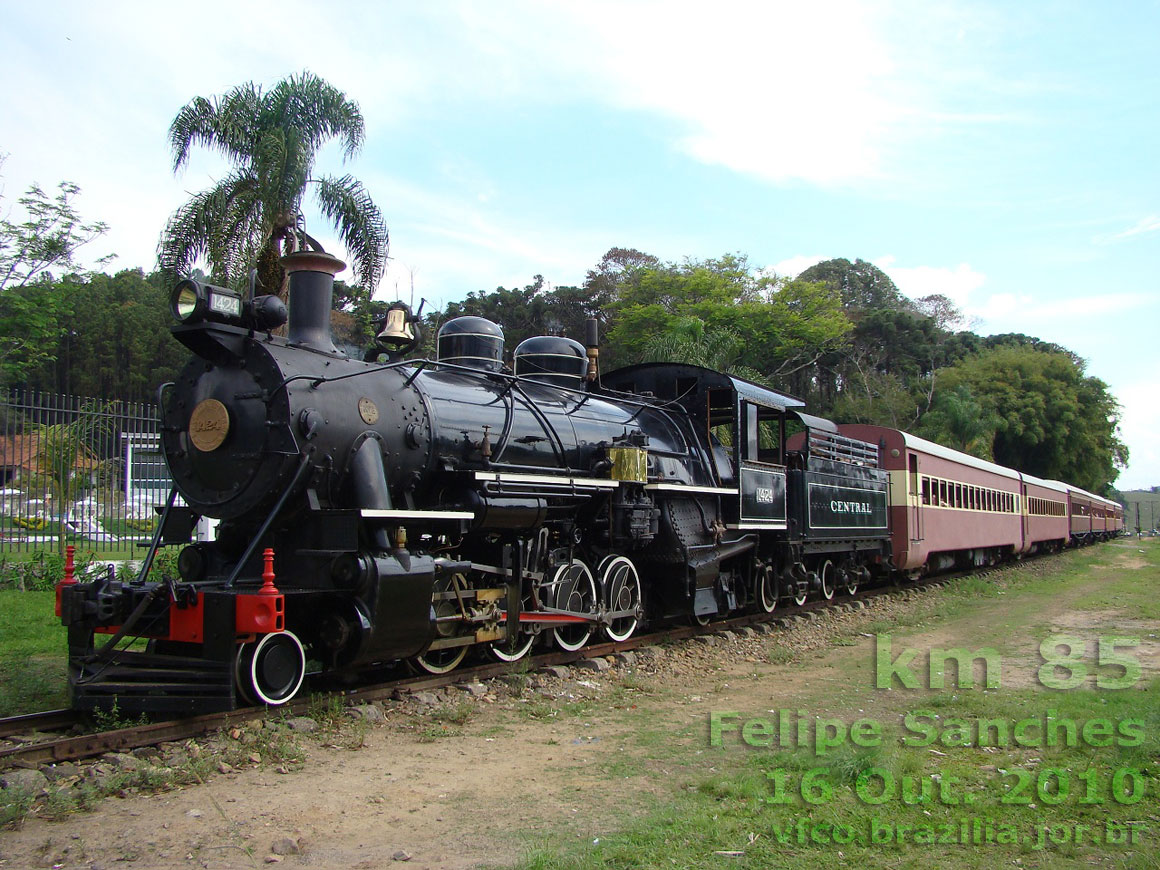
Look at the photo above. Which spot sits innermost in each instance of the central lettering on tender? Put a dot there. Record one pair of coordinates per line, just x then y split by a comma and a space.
850, 507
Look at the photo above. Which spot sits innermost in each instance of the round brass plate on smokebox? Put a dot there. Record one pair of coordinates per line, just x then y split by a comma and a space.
368, 410
209, 424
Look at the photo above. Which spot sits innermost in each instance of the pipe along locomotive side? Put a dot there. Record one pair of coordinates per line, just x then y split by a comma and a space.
420, 509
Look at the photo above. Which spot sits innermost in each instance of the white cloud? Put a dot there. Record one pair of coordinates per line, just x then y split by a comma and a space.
791, 267
1138, 427
1147, 224
957, 283
1010, 311
452, 244
779, 91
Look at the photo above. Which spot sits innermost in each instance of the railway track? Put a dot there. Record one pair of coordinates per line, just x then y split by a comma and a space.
34, 753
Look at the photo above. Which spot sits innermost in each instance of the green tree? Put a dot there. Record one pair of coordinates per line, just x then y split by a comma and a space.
67, 462
36, 246
783, 325
117, 343
959, 420
618, 269
863, 285
1054, 421
688, 340
252, 215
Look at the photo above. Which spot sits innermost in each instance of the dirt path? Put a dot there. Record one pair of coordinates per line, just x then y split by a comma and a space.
462, 783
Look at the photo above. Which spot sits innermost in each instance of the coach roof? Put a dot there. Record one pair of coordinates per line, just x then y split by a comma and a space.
924, 446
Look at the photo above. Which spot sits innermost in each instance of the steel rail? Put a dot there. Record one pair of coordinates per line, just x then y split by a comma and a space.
73, 748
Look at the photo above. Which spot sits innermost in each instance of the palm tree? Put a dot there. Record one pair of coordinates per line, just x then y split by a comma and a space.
252, 215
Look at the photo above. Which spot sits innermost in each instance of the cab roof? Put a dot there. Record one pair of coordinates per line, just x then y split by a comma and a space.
675, 381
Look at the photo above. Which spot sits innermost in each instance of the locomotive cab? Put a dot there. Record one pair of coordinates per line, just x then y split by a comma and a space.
729, 529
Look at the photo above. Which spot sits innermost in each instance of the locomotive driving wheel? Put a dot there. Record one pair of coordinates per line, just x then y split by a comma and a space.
270, 671
512, 649
621, 586
573, 589
446, 603
768, 589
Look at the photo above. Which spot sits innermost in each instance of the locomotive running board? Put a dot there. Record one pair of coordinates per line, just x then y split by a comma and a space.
574, 482
695, 490
384, 514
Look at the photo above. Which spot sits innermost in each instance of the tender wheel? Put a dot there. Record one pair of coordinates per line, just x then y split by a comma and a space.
621, 585
768, 589
573, 589
829, 580
853, 572
445, 603
271, 671
800, 598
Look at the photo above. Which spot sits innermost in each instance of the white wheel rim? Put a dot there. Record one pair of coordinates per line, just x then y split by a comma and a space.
574, 587
240, 678
444, 607
827, 580
767, 591
622, 587
498, 650
436, 667
254, 683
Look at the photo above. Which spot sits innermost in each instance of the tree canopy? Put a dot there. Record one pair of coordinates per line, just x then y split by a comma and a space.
34, 248
1052, 420
272, 139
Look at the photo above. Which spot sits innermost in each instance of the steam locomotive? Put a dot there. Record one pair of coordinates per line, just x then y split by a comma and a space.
384, 509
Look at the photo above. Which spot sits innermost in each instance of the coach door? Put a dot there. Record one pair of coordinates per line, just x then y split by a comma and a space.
918, 495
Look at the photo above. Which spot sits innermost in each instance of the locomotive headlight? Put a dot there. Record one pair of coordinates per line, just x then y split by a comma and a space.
184, 301
192, 301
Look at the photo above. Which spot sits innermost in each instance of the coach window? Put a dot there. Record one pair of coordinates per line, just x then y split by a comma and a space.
925, 490
942, 493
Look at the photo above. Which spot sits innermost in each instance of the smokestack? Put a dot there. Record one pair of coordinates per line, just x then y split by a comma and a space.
311, 296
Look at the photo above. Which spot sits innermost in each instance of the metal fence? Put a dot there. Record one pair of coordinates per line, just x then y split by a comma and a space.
78, 471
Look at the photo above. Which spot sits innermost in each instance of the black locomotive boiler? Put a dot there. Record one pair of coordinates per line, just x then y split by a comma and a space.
419, 509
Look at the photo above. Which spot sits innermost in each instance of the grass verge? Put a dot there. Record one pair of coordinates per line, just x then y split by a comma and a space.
33, 655
1019, 775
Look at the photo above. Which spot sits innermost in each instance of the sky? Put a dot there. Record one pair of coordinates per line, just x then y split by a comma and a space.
1003, 154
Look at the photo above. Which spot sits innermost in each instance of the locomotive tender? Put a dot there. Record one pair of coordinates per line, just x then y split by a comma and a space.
414, 510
